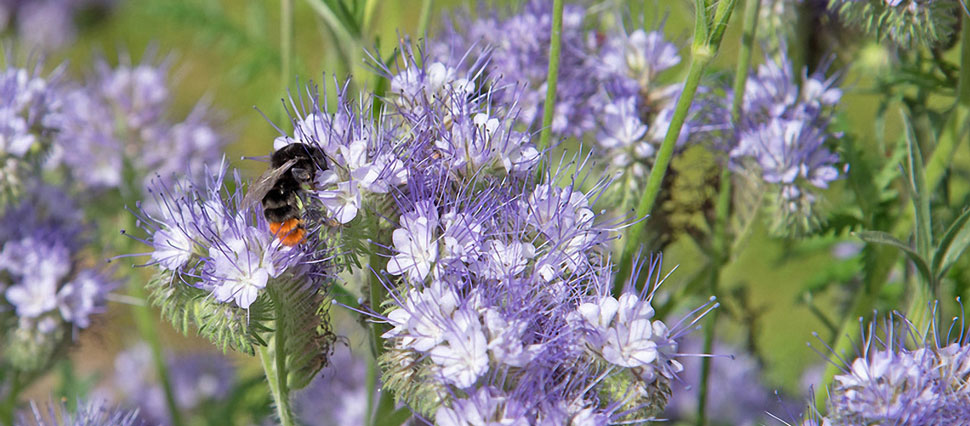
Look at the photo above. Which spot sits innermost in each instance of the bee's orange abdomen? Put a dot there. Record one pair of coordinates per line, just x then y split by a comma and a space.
290, 232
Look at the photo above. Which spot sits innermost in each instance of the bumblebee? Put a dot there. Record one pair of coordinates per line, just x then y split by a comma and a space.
292, 168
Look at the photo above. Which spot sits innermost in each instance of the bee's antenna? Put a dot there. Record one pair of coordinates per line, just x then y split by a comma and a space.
263, 158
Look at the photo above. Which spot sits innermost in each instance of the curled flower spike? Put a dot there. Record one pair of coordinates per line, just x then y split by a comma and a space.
222, 269
907, 23
784, 136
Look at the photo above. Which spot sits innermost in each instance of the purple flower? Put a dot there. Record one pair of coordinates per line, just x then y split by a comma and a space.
783, 139
216, 244
41, 241
29, 109
904, 377
490, 307
517, 48
121, 117
91, 412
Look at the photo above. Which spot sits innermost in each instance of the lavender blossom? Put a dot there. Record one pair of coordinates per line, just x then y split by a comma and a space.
42, 283
783, 138
903, 376
121, 117
505, 293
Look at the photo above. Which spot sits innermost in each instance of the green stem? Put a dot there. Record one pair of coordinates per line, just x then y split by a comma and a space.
273, 359
552, 76
145, 322
286, 40
722, 250
424, 17
955, 128
9, 408
385, 405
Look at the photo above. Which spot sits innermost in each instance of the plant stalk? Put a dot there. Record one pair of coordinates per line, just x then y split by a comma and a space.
552, 76
286, 40
722, 250
273, 358
145, 322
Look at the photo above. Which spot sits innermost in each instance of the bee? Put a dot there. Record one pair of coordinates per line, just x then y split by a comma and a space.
292, 168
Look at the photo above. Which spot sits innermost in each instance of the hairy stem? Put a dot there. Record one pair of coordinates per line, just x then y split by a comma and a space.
273, 358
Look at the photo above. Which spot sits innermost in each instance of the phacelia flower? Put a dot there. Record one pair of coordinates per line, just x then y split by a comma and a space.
217, 244
478, 332
904, 377
42, 283
783, 138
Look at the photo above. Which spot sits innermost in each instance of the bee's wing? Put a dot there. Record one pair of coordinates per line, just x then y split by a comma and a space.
258, 189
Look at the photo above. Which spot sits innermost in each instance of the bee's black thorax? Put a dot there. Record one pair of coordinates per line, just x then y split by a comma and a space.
281, 202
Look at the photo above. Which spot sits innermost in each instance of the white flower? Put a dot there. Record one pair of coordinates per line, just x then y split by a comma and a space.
173, 248
465, 358
245, 266
417, 248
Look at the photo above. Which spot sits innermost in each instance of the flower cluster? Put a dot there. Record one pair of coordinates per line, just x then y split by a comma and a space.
610, 85
783, 136
904, 377
907, 23
206, 238
119, 119
518, 54
48, 291
110, 131
501, 310
30, 113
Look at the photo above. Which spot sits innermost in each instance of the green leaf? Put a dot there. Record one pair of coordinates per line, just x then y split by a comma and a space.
879, 237
952, 245
225, 325
396, 418
917, 186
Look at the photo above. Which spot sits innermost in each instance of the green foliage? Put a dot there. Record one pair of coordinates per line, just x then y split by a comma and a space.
225, 325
